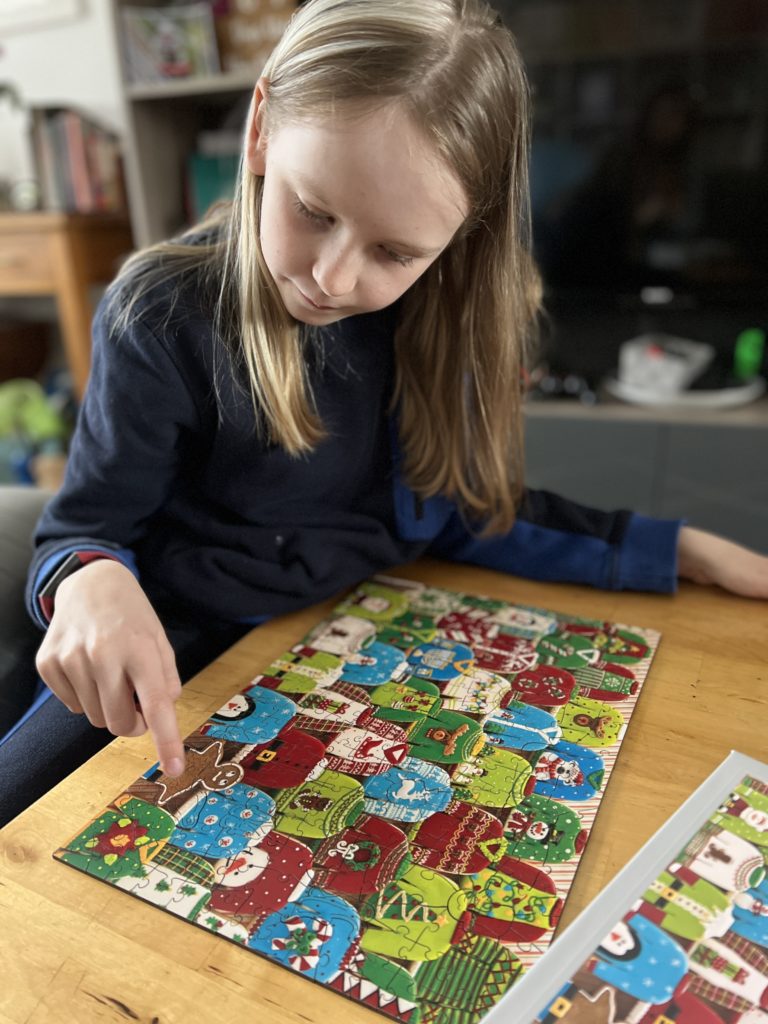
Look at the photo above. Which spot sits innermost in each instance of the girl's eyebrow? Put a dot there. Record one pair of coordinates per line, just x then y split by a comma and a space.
409, 248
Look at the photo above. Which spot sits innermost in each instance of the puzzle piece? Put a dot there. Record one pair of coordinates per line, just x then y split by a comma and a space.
205, 770
414, 917
169, 890
525, 621
494, 777
223, 823
408, 631
374, 664
513, 901
592, 723
408, 701
460, 840
521, 726
468, 626
446, 737
468, 980
544, 830
254, 716
615, 644
544, 685
319, 807
287, 760
120, 840
368, 751
262, 878
375, 601
362, 858
333, 708
606, 681
304, 669
410, 792
567, 650
184, 862
380, 984
568, 771
505, 654
476, 692
221, 926
312, 935
440, 661
342, 635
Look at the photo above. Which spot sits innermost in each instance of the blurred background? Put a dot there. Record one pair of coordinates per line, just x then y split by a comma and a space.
120, 122
650, 153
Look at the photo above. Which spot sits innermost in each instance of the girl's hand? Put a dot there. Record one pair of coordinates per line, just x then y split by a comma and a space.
706, 558
104, 649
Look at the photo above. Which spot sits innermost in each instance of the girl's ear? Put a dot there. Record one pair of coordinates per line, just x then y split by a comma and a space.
256, 142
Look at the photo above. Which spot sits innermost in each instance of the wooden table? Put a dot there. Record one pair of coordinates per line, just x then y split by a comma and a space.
62, 254
75, 950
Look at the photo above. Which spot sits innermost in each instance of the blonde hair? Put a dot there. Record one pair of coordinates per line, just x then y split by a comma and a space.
465, 323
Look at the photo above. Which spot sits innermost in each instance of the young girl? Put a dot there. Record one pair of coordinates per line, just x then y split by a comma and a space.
319, 383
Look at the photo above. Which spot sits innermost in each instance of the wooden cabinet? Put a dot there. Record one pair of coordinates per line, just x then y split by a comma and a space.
63, 254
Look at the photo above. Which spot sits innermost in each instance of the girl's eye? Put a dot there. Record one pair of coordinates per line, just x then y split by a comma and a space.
316, 218
404, 261
323, 218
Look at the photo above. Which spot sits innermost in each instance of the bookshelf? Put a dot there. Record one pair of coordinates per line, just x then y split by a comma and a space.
164, 120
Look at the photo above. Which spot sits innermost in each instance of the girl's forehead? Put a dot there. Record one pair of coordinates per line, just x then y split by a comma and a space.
374, 160
381, 129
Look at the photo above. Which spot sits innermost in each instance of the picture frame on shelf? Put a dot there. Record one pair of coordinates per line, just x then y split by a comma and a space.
162, 43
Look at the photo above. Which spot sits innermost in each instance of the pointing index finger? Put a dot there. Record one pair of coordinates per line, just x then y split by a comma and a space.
157, 707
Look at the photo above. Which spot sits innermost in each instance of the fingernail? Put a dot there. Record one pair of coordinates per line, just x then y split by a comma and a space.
175, 766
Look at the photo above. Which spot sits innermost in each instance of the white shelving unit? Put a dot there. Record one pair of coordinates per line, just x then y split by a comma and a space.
163, 120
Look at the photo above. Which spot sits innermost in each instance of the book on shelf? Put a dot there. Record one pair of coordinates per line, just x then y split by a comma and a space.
79, 163
680, 934
211, 171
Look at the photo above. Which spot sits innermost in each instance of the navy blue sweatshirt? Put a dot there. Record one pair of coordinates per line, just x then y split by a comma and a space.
221, 526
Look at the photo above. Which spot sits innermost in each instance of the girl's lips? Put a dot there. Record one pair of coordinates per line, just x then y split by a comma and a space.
311, 302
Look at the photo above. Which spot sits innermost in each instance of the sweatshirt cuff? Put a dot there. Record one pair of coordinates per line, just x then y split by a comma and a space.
41, 606
646, 558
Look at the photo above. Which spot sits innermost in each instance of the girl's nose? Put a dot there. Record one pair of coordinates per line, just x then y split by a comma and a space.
336, 270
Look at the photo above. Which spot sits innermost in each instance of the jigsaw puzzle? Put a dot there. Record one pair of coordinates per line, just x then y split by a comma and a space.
397, 806
693, 948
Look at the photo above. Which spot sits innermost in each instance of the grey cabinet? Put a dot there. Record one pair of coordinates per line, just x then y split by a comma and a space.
710, 468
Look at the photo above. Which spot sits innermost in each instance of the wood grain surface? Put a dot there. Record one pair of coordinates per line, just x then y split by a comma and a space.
75, 950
